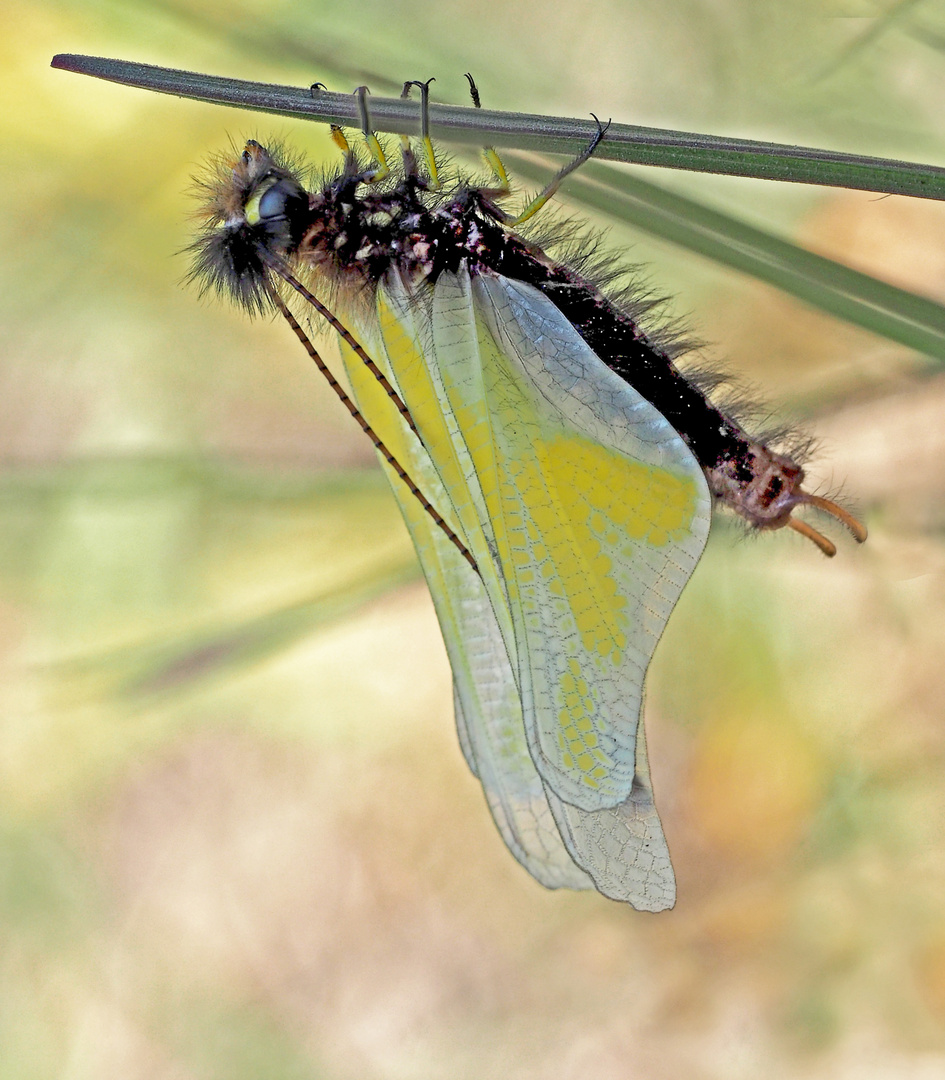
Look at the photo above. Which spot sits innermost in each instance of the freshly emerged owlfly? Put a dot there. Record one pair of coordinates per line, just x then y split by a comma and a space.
554, 467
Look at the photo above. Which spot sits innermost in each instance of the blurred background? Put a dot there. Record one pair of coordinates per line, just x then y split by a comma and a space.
237, 838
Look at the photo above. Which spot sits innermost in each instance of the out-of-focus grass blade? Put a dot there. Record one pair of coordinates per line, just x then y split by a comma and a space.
523, 131
928, 35
175, 664
877, 26
267, 39
110, 518
897, 314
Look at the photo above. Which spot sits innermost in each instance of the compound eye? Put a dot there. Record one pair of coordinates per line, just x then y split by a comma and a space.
273, 202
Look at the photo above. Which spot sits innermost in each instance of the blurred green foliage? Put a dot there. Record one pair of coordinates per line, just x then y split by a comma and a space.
238, 837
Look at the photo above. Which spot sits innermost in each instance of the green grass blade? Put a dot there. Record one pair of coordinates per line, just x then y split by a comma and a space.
549, 134
894, 313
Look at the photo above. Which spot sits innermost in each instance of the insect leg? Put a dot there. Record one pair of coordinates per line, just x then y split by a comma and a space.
489, 155
381, 170
548, 191
338, 138
429, 155
409, 158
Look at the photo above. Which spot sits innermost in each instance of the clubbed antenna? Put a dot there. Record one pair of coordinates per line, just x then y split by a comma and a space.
857, 528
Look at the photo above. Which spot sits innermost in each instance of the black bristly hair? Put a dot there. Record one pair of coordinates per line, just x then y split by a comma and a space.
231, 255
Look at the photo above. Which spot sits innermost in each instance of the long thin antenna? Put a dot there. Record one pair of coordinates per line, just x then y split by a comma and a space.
287, 276
366, 427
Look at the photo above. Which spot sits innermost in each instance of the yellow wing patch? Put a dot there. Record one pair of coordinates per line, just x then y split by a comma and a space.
586, 515
602, 498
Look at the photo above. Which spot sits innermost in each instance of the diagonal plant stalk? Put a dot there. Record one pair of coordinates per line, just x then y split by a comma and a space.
909, 319
529, 131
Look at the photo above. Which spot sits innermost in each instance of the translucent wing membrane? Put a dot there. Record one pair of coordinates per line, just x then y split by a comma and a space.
605, 513
488, 707
622, 848
586, 515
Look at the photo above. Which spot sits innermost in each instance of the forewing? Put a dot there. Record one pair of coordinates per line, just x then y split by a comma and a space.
488, 707
598, 511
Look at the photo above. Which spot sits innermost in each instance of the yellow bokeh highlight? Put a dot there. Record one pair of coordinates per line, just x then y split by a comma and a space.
753, 786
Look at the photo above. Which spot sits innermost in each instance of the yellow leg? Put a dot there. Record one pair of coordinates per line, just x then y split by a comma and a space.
406, 151
338, 138
548, 191
429, 155
489, 155
382, 170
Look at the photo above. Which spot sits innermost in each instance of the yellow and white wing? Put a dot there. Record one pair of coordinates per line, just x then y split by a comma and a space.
598, 511
488, 708
586, 515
